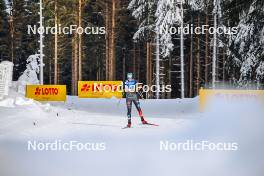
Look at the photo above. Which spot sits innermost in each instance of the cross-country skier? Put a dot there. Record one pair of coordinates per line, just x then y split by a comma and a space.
132, 96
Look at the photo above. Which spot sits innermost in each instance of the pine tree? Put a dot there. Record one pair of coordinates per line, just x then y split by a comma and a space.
25, 44
247, 46
168, 15
144, 12
4, 33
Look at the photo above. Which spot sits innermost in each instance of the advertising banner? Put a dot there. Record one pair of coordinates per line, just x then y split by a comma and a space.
46, 92
205, 95
100, 89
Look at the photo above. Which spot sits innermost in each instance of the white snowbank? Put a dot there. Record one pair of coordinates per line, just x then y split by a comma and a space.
133, 151
15, 99
8, 102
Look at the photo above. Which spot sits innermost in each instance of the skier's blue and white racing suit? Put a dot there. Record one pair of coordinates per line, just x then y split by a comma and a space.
132, 96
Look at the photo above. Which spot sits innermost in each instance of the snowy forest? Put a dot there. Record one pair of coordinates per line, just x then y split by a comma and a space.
132, 42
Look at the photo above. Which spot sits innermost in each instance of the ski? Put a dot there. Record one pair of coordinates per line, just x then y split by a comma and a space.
146, 123
152, 124
126, 127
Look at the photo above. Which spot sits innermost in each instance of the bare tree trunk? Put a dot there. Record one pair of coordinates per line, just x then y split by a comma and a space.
148, 63
191, 66
206, 78
214, 50
50, 71
182, 57
124, 64
149, 66
134, 58
98, 70
169, 75
75, 58
80, 40
41, 44
56, 46
59, 72
11, 23
107, 40
198, 67
75, 63
224, 59
73, 70
157, 64
162, 76
113, 54
138, 58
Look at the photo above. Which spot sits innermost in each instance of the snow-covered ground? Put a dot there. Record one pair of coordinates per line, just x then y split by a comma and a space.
133, 151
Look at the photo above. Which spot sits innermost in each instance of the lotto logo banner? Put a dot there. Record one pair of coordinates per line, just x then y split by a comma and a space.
46, 92
100, 89
206, 95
